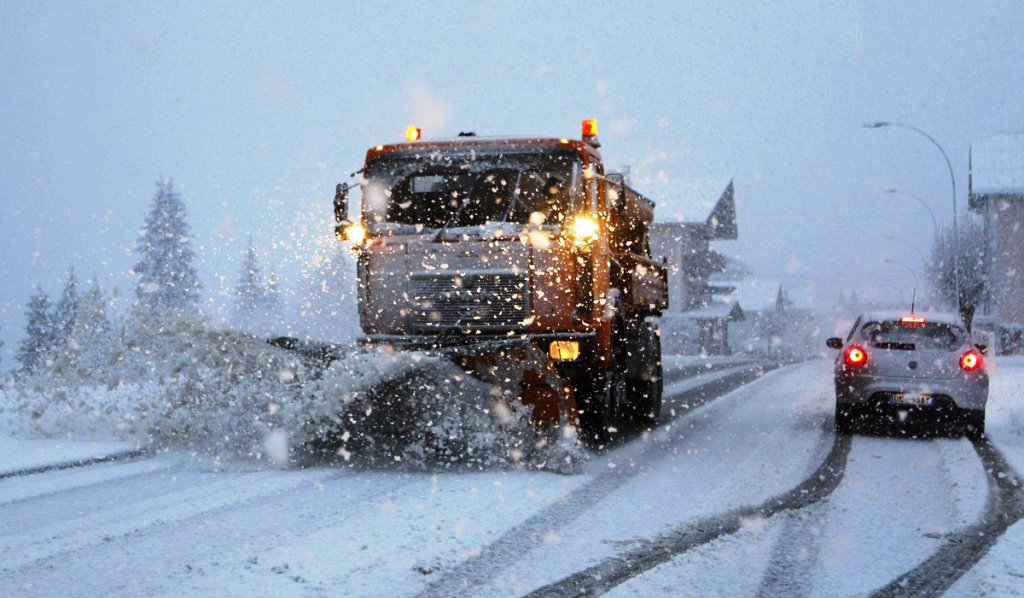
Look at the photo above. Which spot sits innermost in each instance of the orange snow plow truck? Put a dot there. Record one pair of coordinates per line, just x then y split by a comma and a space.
517, 258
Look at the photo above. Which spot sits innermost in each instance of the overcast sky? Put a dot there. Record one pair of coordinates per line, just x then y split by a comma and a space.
257, 110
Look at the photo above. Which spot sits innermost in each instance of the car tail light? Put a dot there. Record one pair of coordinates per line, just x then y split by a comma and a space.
970, 361
855, 356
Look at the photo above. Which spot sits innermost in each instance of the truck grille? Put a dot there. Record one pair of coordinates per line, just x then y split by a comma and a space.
487, 301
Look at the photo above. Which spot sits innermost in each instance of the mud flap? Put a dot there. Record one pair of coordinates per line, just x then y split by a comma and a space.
521, 369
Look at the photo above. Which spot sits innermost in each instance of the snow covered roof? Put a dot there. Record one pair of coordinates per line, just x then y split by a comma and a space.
720, 311
687, 200
997, 165
755, 294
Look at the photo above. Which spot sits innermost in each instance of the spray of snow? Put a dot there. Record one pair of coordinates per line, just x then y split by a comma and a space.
410, 410
185, 385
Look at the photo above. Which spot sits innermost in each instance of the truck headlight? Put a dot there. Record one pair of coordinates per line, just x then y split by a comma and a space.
353, 233
564, 350
584, 230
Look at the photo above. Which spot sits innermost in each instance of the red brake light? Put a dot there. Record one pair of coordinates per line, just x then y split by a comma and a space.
855, 356
970, 361
913, 320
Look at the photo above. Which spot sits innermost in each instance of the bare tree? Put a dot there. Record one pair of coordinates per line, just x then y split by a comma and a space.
973, 263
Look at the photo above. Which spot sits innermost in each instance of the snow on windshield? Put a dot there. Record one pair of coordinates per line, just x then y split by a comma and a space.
471, 189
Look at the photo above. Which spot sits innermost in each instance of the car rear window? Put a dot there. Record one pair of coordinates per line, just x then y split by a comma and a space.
893, 334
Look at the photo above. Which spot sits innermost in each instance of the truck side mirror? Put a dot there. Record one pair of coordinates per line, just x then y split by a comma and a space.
834, 343
341, 203
616, 191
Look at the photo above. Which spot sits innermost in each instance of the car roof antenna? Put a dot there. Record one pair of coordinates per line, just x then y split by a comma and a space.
913, 300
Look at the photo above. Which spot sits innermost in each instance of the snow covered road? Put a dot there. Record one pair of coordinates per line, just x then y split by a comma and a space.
703, 505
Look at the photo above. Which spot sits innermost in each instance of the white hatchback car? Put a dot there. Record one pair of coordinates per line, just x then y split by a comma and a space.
898, 366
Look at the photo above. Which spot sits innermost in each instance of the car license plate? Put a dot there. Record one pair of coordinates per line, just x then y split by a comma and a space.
910, 398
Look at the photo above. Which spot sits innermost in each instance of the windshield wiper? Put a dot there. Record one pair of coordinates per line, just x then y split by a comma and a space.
515, 196
455, 216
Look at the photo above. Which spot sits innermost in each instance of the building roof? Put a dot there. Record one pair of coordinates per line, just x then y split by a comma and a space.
757, 294
687, 200
997, 166
717, 311
709, 203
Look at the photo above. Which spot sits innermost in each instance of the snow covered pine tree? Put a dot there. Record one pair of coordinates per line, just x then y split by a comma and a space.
41, 335
67, 309
256, 297
92, 334
167, 277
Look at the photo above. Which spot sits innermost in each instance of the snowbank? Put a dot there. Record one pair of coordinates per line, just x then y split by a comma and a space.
186, 385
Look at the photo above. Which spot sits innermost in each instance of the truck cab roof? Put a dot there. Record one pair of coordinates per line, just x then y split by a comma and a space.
485, 142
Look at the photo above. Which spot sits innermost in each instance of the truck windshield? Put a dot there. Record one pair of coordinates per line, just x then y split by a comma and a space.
470, 188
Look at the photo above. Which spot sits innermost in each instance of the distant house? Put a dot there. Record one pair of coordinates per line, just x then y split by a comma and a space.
688, 221
996, 191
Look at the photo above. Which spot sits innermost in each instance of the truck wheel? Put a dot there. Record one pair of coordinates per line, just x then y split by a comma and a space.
602, 398
644, 390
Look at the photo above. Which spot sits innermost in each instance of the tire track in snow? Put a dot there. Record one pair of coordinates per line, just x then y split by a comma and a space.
650, 553
964, 549
797, 548
515, 542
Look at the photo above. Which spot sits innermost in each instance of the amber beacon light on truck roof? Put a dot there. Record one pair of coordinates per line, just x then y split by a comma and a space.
589, 133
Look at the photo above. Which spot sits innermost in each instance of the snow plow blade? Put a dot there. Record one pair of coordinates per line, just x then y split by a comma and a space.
518, 362
324, 353
518, 365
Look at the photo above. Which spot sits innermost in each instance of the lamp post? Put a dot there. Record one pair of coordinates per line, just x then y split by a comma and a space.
917, 282
920, 200
952, 180
925, 261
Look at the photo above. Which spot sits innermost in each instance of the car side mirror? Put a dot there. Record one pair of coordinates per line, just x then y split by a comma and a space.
834, 343
983, 349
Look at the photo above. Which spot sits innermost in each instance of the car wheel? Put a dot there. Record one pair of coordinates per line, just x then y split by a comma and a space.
844, 419
974, 424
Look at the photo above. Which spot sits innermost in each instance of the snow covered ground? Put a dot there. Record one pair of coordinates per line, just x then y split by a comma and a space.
33, 453
172, 524
1001, 572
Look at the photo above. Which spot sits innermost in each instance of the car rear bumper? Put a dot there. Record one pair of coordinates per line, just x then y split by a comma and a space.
962, 392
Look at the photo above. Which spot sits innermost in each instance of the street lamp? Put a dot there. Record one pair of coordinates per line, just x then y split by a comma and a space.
917, 282
926, 262
952, 180
920, 200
